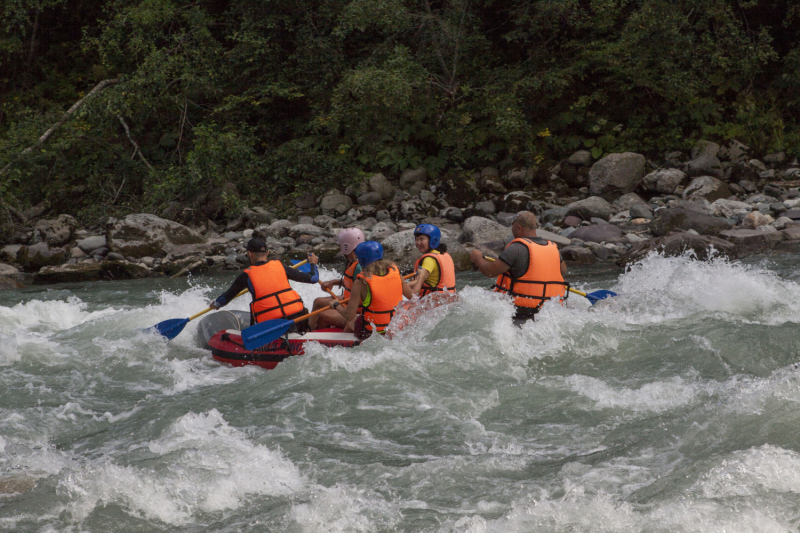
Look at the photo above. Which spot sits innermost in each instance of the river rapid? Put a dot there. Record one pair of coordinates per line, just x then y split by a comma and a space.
672, 407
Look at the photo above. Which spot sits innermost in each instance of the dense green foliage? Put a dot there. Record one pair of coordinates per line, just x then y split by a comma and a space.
245, 99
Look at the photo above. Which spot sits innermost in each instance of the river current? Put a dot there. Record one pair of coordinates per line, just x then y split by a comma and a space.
673, 407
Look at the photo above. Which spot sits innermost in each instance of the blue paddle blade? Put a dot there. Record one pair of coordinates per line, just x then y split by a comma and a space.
171, 328
596, 296
305, 268
265, 332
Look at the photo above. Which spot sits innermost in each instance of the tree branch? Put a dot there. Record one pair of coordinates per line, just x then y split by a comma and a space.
66, 116
135, 146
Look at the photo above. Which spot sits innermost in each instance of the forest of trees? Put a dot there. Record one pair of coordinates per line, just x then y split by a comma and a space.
118, 106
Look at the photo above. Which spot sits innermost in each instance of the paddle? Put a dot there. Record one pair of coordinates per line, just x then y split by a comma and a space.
172, 328
593, 297
301, 265
266, 332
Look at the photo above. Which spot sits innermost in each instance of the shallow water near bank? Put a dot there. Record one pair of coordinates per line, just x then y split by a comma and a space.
672, 407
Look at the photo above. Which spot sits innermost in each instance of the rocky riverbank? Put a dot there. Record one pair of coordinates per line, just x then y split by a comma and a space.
619, 208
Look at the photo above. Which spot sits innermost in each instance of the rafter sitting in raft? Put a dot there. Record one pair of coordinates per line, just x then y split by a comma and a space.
435, 269
348, 240
375, 294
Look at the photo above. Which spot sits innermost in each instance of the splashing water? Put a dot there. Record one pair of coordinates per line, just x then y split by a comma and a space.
671, 407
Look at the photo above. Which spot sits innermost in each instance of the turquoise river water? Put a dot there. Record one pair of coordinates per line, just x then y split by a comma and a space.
672, 407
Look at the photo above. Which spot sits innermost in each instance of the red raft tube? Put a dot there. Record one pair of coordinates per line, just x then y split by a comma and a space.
221, 333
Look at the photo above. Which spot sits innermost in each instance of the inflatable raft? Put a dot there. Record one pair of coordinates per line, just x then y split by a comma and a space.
221, 332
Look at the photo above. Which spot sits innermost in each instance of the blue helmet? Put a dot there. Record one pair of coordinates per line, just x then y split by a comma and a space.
368, 252
433, 233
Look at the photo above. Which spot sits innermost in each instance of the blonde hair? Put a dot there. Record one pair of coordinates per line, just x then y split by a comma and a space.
526, 220
378, 268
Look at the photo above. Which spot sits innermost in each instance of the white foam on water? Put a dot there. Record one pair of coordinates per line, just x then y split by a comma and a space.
752, 472
204, 465
345, 509
48, 316
656, 396
661, 288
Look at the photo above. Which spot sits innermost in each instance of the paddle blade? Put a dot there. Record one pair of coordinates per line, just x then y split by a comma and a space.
305, 268
596, 296
265, 332
171, 328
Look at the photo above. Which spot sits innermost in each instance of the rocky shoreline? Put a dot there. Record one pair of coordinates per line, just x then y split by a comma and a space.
618, 209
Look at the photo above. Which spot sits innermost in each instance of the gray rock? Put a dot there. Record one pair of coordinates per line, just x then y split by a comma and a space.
336, 204
89, 244
411, 176
578, 254
491, 184
381, 231
481, 230
144, 234
106, 270
594, 206
581, 158
560, 240
598, 233
75, 253
705, 165
114, 256
791, 234
670, 219
729, 208
415, 209
516, 201
518, 178
7, 270
781, 223
383, 215
9, 252
735, 152
39, 255
703, 147
626, 201
305, 229
749, 241
379, 184
452, 213
233, 235
708, 188
777, 158
305, 201
487, 207
641, 211
324, 221
552, 216
54, 232
7, 283
616, 174
758, 165
664, 181
506, 219
703, 247
756, 219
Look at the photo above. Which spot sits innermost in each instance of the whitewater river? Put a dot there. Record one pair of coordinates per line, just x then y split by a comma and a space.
674, 407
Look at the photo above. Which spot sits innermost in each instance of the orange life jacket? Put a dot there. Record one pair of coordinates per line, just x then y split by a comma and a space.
348, 278
542, 281
386, 292
273, 296
447, 274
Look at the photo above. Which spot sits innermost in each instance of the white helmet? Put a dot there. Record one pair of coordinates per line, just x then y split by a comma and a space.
350, 238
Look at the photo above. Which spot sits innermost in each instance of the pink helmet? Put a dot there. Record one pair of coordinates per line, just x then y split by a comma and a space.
350, 238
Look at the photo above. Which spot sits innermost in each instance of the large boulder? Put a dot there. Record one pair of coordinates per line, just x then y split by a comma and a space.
94, 242
750, 241
592, 207
411, 176
670, 219
706, 187
144, 235
676, 243
400, 248
104, 270
379, 184
616, 174
578, 254
704, 160
664, 181
54, 232
597, 233
39, 255
336, 204
480, 230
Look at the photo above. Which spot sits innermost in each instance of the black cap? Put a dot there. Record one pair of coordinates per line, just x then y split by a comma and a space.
257, 245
